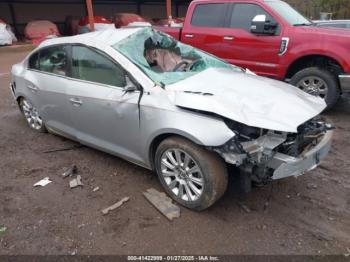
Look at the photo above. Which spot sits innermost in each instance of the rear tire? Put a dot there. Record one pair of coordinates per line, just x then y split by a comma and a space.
194, 190
31, 115
318, 82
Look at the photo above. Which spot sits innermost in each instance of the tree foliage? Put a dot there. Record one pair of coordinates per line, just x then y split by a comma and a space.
313, 8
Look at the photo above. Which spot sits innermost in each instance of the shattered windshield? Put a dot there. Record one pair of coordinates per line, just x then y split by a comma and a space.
164, 59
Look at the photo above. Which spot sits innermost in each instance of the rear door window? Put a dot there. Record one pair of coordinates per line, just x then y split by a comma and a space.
91, 65
54, 60
209, 15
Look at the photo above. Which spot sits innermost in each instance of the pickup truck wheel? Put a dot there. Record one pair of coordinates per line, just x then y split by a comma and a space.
318, 82
194, 177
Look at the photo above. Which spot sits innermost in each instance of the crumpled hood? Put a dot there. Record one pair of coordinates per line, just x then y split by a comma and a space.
248, 99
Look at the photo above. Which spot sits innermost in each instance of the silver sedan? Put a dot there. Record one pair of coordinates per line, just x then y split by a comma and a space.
141, 95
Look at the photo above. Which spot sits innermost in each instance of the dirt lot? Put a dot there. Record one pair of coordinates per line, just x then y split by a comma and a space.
307, 215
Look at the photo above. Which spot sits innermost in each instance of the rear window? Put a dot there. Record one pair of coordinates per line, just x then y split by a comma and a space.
34, 61
209, 15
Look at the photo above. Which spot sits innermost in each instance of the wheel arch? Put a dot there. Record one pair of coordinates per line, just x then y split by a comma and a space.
314, 60
18, 100
160, 138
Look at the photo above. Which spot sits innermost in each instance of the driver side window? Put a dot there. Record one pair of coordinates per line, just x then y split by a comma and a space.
92, 66
243, 14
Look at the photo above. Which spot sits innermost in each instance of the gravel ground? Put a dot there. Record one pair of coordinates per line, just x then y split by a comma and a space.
307, 215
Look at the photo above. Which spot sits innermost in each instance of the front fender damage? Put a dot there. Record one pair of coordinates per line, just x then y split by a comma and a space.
251, 156
266, 154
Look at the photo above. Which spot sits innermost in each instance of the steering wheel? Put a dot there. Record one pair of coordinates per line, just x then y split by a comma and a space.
176, 68
189, 66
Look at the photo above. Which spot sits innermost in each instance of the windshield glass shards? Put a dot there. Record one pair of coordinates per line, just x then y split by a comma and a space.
164, 59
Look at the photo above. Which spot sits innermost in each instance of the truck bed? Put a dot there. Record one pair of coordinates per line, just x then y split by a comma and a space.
173, 31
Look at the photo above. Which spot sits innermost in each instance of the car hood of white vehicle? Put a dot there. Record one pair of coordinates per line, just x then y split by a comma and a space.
252, 100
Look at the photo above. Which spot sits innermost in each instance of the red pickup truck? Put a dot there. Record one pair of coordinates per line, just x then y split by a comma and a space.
272, 39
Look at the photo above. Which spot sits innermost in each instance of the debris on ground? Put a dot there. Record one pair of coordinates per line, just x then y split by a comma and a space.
261, 227
43, 182
73, 170
75, 182
63, 149
322, 236
163, 203
96, 189
75, 251
114, 206
244, 207
347, 254
266, 206
311, 186
2, 229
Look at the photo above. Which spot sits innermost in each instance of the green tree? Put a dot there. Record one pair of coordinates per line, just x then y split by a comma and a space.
339, 8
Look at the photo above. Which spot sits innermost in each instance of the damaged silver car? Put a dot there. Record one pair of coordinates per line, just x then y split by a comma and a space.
141, 95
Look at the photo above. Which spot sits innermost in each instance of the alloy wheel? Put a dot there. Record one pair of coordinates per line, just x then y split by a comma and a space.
314, 85
182, 174
31, 114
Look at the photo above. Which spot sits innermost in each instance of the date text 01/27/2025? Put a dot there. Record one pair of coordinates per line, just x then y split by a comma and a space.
173, 258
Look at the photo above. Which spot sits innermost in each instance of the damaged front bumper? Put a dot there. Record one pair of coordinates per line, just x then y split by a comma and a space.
266, 154
286, 166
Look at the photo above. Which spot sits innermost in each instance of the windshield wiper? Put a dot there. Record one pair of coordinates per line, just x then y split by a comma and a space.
303, 24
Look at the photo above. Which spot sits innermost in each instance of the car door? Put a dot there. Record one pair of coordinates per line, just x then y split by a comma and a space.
259, 53
31, 81
105, 116
206, 30
47, 80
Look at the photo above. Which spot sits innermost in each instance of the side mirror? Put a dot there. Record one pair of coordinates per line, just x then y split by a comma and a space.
130, 86
261, 26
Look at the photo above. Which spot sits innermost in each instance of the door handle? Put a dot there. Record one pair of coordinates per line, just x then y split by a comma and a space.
32, 88
228, 38
189, 35
76, 102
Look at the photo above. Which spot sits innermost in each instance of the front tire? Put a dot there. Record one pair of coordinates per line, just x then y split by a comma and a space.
318, 82
194, 177
32, 116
